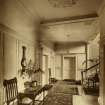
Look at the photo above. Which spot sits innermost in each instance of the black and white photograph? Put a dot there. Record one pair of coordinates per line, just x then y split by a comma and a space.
52, 52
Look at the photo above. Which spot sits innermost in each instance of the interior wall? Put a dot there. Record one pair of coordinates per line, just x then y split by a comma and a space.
10, 55
102, 57
13, 56
1, 67
77, 51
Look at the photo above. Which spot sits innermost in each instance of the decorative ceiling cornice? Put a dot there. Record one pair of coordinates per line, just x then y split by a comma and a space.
67, 45
76, 43
13, 33
66, 19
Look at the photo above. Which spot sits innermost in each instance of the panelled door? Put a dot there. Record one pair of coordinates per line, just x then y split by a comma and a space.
69, 67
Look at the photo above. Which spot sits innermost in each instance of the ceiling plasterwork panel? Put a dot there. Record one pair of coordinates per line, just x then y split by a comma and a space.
62, 3
71, 32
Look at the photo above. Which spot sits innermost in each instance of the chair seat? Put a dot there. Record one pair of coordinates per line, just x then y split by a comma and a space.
26, 101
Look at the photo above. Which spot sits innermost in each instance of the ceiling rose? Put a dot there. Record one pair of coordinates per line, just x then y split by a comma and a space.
62, 3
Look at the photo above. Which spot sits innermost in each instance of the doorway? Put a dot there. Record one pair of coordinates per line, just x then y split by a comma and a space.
69, 68
45, 75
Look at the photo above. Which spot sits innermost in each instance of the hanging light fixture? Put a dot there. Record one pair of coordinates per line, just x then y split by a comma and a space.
62, 3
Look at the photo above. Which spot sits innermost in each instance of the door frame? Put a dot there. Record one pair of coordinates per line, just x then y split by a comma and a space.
63, 63
46, 71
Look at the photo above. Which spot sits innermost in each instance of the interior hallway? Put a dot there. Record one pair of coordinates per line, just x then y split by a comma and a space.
39, 38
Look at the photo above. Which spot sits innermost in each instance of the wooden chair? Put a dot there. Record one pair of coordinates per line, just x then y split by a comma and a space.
94, 79
11, 93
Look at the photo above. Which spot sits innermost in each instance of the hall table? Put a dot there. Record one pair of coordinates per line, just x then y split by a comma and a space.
32, 92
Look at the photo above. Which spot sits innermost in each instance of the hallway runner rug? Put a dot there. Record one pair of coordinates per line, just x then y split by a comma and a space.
60, 94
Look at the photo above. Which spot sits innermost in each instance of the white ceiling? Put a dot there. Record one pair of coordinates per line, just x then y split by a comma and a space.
57, 24
71, 31
47, 12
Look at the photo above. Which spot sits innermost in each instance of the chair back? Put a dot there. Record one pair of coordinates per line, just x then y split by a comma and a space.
11, 90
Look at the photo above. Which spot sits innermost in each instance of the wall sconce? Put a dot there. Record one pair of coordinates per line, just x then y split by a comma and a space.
23, 60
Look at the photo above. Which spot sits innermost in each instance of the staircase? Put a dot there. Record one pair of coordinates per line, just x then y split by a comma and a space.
90, 79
